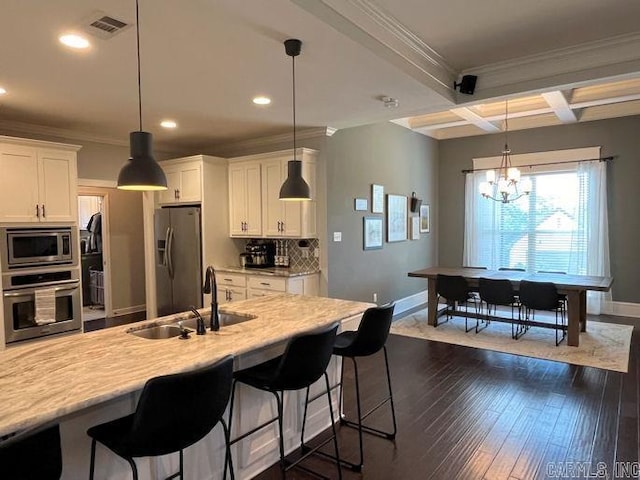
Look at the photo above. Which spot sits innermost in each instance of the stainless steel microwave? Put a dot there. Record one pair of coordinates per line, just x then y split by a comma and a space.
35, 247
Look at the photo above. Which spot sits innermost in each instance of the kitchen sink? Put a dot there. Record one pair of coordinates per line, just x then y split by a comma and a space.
159, 332
225, 320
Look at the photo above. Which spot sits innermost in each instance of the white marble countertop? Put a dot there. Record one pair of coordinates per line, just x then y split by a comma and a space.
272, 271
45, 380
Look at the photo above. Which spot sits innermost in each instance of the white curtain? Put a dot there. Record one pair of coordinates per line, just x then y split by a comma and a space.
597, 230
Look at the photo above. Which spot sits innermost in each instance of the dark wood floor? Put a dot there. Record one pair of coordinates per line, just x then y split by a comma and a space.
465, 413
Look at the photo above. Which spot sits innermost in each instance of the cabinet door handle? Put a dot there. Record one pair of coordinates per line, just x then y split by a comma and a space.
230, 280
178, 193
37, 210
265, 283
43, 214
279, 226
282, 227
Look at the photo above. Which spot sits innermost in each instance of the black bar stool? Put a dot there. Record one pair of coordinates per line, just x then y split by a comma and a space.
370, 338
32, 456
303, 362
174, 412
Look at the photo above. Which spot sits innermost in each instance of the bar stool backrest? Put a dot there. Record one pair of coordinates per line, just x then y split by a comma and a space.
175, 411
453, 287
538, 295
305, 359
373, 331
496, 292
37, 456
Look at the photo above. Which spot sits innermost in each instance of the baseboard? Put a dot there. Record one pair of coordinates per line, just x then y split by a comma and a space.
622, 309
118, 312
412, 301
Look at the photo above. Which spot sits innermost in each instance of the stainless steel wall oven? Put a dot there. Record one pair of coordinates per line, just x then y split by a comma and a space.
40, 266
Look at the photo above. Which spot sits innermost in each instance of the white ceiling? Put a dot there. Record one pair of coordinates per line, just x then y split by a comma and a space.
203, 61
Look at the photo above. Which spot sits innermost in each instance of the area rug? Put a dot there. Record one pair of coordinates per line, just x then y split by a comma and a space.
603, 345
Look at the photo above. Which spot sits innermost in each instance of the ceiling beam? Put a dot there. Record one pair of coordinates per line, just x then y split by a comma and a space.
558, 103
378, 31
476, 119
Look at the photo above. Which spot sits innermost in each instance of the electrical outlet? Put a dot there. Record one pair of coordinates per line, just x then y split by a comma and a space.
375, 297
337, 236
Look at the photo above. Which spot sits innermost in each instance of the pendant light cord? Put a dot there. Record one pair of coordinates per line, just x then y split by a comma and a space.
293, 65
138, 53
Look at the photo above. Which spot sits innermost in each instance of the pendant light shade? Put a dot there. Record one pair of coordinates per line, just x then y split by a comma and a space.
294, 187
141, 172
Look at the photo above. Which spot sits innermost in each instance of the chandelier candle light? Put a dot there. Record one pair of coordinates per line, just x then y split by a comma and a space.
509, 187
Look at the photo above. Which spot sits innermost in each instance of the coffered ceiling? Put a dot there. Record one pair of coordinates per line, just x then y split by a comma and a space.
203, 61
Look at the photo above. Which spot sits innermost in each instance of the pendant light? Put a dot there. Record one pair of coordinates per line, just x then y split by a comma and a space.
294, 187
141, 171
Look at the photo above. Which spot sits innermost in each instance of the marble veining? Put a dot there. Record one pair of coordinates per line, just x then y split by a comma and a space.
45, 380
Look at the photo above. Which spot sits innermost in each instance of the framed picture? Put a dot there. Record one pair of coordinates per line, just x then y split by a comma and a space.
425, 221
372, 236
415, 227
396, 218
361, 204
377, 198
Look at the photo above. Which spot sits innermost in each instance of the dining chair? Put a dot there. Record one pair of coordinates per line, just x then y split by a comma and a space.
543, 296
455, 290
561, 296
500, 292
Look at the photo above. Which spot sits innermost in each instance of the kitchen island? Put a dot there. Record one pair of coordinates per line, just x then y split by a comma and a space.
85, 379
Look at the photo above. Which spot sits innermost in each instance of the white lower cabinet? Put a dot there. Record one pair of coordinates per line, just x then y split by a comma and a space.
231, 287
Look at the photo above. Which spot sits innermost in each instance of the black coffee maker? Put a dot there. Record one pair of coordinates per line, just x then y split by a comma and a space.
260, 254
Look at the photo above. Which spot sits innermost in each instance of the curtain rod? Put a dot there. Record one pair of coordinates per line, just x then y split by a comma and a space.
602, 159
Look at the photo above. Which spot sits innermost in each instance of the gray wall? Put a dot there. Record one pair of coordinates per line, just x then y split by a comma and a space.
402, 161
619, 137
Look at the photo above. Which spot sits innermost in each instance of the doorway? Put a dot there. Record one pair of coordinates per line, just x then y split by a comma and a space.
94, 248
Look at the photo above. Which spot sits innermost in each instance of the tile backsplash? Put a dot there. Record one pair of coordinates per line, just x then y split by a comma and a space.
302, 258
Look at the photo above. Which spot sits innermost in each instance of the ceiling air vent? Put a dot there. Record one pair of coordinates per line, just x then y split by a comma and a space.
104, 26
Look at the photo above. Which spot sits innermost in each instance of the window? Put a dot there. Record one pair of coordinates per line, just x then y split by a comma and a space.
542, 231
560, 226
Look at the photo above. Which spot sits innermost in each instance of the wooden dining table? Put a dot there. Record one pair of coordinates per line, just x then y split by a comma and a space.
575, 287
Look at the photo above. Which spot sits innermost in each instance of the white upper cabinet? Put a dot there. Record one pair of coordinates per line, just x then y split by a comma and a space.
184, 182
245, 201
279, 218
38, 181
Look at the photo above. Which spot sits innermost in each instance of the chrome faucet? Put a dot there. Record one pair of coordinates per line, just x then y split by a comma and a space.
211, 287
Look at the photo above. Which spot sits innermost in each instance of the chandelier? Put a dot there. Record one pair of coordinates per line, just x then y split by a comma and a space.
509, 186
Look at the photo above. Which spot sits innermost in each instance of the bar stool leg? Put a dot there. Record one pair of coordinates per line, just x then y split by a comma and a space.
134, 469
390, 436
358, 467
333, 425
227, 451
303, 447
283, 466
93, 459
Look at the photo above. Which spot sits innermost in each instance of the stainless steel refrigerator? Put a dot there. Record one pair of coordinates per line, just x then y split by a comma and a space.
178, 259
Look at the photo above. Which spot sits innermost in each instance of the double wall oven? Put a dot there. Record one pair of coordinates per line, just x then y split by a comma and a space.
40, 264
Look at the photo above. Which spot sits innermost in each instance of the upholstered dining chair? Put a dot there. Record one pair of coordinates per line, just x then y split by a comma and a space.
543, 296
455, 290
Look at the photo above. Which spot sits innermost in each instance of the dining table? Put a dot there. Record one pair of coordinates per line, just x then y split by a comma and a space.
575, 287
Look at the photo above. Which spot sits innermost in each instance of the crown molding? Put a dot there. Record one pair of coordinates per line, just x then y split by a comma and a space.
46, 131
233, 149
385, 36
568, 67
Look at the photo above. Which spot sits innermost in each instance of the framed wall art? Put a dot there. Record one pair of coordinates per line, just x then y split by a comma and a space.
396, 218
372, 233
425, 221
360, 204
377, 198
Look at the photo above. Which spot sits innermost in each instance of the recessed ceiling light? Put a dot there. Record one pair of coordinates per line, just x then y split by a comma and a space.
2, 91
168, 124
262, 100
74, 41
